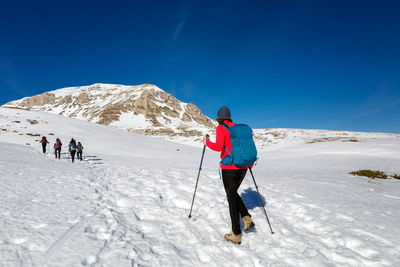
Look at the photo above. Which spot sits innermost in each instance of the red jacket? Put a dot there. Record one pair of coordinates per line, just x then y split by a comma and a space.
223, 140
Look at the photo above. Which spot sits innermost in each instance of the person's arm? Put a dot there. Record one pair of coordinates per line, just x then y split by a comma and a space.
219, 142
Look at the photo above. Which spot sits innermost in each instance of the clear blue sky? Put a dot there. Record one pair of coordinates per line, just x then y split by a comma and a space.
298, 64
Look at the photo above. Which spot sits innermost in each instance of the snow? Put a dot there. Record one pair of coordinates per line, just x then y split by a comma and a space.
127, 120
99, 88
126, 203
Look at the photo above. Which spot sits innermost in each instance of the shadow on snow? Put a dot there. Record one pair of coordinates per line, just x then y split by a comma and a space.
250, 198
87, 158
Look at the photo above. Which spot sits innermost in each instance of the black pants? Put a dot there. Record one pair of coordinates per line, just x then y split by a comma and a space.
44, 148
232, 180
57, 152
73, 155
79, 155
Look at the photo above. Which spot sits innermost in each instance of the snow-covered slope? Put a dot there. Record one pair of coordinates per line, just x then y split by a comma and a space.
127, 203
277, 138
143, 109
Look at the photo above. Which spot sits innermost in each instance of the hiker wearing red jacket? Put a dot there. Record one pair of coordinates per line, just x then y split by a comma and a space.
232, 177
57, 148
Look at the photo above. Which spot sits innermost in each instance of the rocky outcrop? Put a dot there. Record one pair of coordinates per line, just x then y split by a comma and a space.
38, 100
197, 115
111, 113
82, 98
65, 100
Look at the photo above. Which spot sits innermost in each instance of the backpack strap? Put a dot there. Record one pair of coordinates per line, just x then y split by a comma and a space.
230, 154
226, 126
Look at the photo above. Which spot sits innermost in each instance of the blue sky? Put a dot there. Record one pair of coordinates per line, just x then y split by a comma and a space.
295, 64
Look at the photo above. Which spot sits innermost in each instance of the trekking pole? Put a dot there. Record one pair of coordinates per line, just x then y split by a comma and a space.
197, 181
262, 203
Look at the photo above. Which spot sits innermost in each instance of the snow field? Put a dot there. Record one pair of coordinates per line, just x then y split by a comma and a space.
127, 203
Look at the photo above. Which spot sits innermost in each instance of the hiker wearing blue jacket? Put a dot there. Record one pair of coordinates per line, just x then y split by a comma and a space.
232, 176
72, 147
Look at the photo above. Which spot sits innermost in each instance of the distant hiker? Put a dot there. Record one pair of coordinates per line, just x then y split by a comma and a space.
80, 150
72, 148
232, 176
57, 148
44, 143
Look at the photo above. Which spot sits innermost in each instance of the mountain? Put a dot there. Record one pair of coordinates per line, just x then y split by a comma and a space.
144, 109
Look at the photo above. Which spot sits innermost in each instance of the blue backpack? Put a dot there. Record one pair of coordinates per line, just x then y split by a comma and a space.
244, 151
73, 146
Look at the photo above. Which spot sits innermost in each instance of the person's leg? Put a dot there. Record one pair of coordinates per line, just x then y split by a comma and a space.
73, 155
229, 178
246, 217
241, 207
59, 152
55, 152
44, 148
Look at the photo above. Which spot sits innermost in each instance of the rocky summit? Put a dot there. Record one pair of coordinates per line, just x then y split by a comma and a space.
144, 109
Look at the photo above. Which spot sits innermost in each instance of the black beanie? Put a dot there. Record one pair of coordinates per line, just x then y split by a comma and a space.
224, 113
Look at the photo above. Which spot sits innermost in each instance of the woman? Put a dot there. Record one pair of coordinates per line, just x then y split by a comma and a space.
232, 177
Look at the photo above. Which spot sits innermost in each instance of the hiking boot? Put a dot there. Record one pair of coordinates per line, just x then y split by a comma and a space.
248, 223
236, 239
